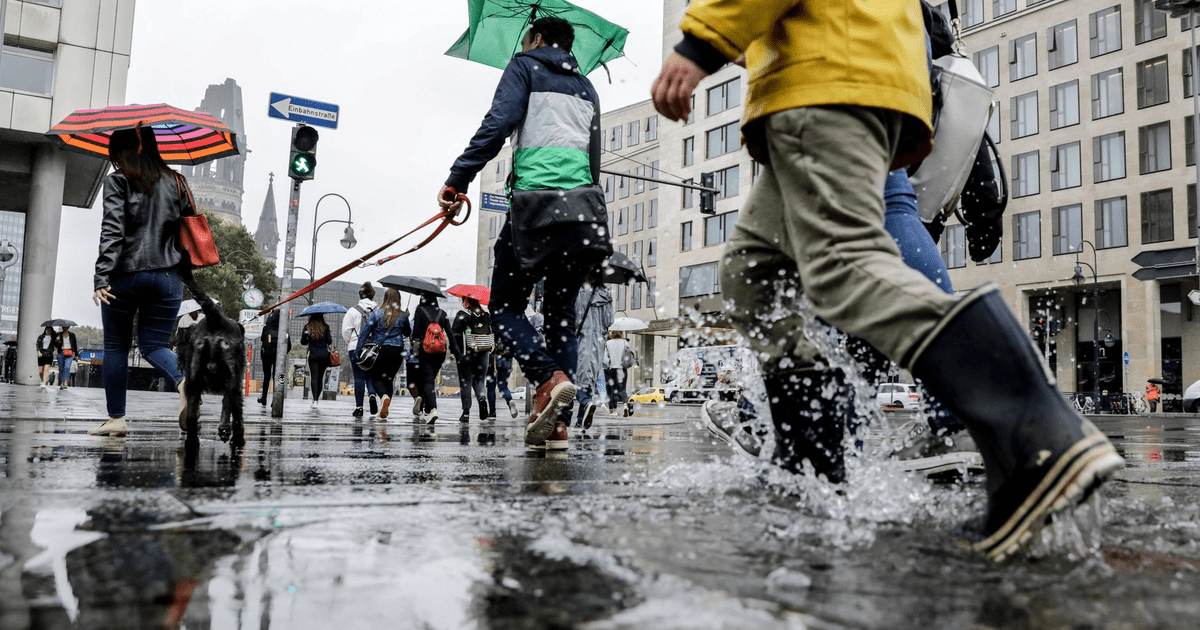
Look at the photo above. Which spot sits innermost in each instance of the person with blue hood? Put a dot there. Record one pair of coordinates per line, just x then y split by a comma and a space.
557, 224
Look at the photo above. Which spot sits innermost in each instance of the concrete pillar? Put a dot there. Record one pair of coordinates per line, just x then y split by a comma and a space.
40, 255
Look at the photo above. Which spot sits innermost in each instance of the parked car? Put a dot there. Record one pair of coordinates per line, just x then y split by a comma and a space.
518, 393
898, 396
647, 395
1191, 398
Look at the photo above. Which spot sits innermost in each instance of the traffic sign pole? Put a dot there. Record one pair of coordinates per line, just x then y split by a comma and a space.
289, 261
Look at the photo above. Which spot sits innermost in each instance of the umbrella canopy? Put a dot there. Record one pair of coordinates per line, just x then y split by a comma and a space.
56, 323
411, 284
628, 323
1157, 381
496, 27
323, 307
10, 342
183, 137
476, 292
619, 269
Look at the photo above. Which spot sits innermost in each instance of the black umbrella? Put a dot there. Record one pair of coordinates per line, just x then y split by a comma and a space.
1157, 381
411, 284
619, 269
58, 323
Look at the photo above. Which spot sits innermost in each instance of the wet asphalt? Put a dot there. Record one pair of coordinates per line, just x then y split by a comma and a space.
646, 522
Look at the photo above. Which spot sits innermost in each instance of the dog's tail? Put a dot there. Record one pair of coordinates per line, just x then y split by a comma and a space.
206, 303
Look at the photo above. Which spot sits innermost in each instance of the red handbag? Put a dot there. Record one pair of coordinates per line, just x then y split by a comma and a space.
194, 233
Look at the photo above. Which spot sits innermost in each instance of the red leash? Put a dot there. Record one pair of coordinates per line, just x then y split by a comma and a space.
446, 217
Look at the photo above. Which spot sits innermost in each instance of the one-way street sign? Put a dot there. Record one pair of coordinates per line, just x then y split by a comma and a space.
303, 110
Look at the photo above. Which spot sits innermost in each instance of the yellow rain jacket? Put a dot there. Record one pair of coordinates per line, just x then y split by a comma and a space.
803, 53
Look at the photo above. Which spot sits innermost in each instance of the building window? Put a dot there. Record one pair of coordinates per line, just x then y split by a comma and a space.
1023, 114
1003, 7
987, 61
1067, 226
639, 184
699, 280
1148, 24
722, 140
691, 118
1189, 141
500, 172
654, 174
953, 246
972, 12
637, 253
1027, 235
610, 189
492, 226
719, 228
1191, 217
1064, 166
687, 194
1061, 45
635, 296
652, 128
611, 216
1022, 57
1104, 31
1186, 64
725, 96
651, 291
1108, 93
614, 137
685, 233
639, 216
652, 218
622, 221
633, 133
652, 251
1111, 223
689, 151
1154, 148
1108, 157
1152, 82
1158, 216
619, 298
1064, 105
26, 69
491, 257
623, 186
1025, 175
993, 126
726, 182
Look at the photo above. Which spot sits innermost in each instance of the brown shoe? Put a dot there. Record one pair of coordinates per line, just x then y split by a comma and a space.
552, 397
383, 410
557, 440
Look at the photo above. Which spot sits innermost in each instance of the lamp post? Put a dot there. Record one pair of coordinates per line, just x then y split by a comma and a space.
1180, 8
1079, 278
348, 241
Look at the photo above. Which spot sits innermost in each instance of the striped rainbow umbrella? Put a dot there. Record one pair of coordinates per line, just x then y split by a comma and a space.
183, 137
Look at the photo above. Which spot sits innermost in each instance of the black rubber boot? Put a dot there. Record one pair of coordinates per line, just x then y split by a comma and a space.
484, 411
1039, 454
809, 408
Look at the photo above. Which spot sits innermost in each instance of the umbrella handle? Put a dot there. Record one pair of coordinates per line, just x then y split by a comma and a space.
466, 201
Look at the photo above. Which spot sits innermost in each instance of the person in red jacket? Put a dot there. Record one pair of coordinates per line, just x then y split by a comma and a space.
1152, 396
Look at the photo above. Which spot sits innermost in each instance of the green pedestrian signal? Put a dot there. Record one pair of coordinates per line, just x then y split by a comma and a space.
303, 162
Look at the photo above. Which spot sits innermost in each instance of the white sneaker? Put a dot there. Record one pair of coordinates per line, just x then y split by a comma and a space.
512, 408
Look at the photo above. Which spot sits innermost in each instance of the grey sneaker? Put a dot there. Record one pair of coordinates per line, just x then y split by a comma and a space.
726, 421
918, 450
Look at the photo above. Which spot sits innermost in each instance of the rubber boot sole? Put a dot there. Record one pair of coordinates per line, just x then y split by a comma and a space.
1076, 474
561, 396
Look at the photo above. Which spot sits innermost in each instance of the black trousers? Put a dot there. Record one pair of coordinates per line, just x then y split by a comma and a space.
472, 374
429, 365
268, 366
383, 373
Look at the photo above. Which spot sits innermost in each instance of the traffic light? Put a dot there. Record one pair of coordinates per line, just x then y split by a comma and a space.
1037, 330
1055, 327
303, 161
707, 199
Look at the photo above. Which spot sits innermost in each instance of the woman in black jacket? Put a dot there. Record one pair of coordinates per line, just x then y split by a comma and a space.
67, 347
428, 363
471, 343
45, 354
317, 337
137, 269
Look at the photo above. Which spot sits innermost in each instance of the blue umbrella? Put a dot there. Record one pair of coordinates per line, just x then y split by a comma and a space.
324, 307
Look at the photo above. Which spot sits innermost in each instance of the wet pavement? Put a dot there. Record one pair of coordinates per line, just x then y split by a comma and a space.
322, 521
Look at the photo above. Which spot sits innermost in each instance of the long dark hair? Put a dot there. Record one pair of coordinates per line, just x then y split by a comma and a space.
391, 307
134, 153
316, 325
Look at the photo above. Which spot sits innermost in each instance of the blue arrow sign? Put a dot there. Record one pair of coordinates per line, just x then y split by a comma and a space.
303, 110
1126, 358
492, 201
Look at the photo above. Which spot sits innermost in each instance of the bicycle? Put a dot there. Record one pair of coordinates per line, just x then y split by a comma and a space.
1083, 403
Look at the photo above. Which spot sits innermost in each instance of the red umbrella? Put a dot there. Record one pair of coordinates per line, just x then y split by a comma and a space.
183, 137
474, 291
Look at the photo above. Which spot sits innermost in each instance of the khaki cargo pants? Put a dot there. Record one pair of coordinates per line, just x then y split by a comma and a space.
814, 220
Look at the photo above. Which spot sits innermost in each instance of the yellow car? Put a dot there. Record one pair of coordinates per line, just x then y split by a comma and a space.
647, 395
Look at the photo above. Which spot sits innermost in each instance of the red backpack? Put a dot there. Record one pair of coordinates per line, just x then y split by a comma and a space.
435, 339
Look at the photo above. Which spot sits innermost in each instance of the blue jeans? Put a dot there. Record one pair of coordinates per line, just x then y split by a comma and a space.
538, 357
903, 223
153, 297
64, 368
360, 380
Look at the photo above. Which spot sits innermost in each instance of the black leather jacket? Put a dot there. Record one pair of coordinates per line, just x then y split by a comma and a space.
139, 232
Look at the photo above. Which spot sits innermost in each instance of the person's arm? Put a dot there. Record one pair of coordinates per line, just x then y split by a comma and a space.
304, 336
349, 323
457, 330
112, 234
508, 109
405, 325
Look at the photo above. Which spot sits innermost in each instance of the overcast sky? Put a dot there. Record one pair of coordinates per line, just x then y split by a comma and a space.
407, 111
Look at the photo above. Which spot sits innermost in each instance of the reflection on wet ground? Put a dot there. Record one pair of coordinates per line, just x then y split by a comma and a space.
646, 524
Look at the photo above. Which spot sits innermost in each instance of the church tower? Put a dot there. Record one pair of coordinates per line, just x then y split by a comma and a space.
267, 234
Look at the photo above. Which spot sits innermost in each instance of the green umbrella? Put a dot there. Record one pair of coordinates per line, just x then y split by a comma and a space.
497, 26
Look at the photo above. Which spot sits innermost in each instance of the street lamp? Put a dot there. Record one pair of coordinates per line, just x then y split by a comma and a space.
1079, 278
1180, 8
348, 241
